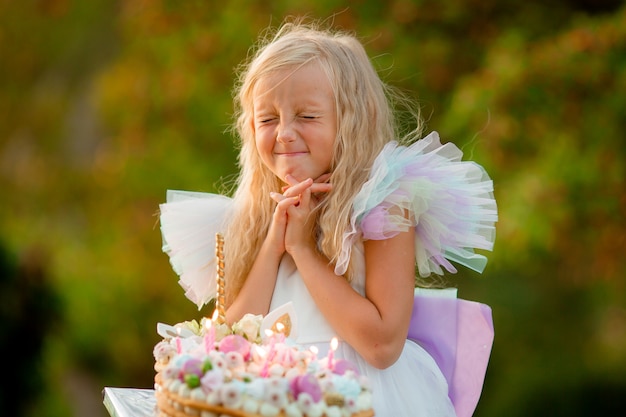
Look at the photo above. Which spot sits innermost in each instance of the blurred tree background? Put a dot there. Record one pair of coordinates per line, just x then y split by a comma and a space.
104, 105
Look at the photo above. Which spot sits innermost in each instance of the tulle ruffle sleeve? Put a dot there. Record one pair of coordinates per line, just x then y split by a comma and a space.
427, 186
189, 222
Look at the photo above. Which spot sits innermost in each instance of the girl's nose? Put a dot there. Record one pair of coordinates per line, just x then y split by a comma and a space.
285, 133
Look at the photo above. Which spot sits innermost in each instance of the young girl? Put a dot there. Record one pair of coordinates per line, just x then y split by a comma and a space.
332, 213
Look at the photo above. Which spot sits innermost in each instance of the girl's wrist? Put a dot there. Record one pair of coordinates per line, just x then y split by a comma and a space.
302, 252
270, 251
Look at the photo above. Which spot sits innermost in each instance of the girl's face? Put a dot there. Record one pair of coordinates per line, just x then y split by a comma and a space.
295, 122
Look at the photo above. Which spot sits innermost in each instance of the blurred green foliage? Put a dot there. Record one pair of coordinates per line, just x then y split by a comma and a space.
106, 104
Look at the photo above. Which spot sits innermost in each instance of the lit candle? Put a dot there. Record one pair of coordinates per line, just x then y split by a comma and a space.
263, 356
179, 346
334, 343
270, 335
281, 331
258, 353
209, 336
313, 362
265, 369
270, 354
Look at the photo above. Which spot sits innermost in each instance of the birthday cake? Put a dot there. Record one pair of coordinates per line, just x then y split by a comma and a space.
252, 369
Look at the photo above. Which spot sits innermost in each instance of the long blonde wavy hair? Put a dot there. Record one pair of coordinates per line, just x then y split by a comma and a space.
365, 124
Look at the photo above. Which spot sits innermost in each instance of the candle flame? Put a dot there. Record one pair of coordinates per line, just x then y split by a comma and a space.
314, 349
260, 351
280, 327
214, 317
268, 333
334, 343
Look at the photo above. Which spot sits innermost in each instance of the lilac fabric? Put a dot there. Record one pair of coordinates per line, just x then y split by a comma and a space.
458, 334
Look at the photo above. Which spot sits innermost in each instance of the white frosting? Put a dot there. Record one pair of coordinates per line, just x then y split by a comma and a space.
262, 379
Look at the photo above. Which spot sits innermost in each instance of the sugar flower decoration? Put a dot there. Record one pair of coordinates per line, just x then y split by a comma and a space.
163, 351
234, 360
276, 397
230, 394
249, 327
212, 380
306, 384
347, 387
235, 343
193, 326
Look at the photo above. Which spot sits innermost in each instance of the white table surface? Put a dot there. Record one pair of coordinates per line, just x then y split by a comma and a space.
130, 402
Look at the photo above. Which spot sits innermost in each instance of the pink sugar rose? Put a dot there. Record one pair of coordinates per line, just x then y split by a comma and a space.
341, 366
235, 343
192, 366
307, 384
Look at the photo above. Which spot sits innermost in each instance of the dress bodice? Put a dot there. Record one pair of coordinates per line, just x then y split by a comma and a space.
313, 328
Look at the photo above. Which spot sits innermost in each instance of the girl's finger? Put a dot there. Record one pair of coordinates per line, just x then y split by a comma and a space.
298, 188
305, 197
321, 187
285, 202
277, 197
322, 178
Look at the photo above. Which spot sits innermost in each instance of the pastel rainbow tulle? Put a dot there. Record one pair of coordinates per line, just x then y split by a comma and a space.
450, 203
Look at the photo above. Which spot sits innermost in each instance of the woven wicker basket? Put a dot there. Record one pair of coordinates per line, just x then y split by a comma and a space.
173, 405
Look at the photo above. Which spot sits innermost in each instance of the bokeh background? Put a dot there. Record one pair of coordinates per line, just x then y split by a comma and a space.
104, 105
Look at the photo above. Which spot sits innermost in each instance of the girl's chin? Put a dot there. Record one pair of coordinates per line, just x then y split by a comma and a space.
300, 175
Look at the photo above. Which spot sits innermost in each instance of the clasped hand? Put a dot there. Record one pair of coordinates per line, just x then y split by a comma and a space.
292, 226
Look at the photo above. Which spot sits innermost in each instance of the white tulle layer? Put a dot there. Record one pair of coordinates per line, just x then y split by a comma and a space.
412, 386
450, 202
189, 222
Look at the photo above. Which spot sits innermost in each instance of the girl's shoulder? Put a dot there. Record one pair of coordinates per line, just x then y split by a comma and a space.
428, 186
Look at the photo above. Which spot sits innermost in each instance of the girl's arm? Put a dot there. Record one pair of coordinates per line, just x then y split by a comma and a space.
376, 325
256, 293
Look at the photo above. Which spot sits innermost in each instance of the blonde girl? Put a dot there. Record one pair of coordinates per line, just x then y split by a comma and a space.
332, 213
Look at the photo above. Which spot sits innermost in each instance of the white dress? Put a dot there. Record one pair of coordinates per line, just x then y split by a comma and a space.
412, 387
454, 211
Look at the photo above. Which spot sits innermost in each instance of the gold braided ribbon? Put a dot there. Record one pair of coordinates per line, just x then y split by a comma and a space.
219, 300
